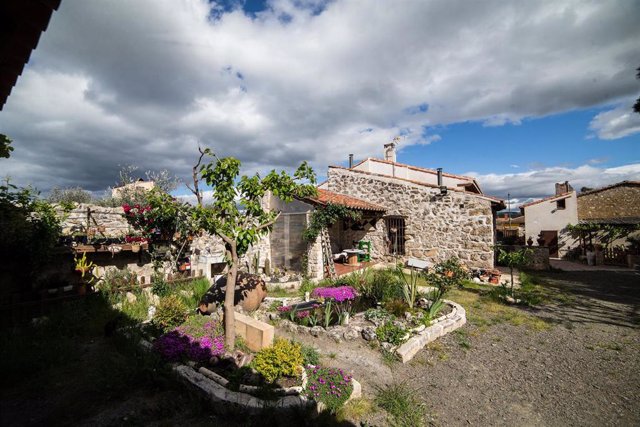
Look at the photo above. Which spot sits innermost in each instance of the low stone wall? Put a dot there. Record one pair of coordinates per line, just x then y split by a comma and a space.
111, 219
439, 327
539, 255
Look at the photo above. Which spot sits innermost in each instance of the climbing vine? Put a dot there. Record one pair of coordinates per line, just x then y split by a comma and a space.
324, 216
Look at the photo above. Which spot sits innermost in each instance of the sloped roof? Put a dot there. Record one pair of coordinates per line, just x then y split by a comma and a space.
21, 22
325, 197
431, 171
618, 184
547, 199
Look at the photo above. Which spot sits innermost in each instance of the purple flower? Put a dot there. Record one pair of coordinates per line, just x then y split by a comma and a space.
284, 309
339, 294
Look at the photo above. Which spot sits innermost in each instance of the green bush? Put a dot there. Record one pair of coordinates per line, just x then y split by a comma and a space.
310, 355
381, 286
283, 358
116, 281
390, 333
397, 307
170, 313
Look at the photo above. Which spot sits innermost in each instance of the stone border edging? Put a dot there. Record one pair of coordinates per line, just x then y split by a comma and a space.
213, 387
439, 327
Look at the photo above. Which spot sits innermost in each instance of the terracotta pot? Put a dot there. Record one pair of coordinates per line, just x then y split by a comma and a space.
135, 248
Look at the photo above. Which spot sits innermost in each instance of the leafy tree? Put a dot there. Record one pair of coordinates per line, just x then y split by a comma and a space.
514, 259
69, 195
324, 216
237, 214
5, 146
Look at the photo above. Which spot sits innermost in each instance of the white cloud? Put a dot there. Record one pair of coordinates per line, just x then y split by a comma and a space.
535, 184
144, 82
616, 123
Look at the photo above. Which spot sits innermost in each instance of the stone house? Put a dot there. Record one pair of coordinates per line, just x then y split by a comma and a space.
617, 204
408, 212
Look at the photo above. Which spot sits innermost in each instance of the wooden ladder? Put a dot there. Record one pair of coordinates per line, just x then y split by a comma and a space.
327, 256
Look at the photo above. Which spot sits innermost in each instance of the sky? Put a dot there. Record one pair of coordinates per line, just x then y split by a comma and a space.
516, 94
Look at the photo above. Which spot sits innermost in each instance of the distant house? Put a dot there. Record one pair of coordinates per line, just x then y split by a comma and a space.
545, 220
510, 228
409, 212
548, 218
139, 185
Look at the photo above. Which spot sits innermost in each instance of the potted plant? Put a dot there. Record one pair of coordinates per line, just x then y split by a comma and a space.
83, 266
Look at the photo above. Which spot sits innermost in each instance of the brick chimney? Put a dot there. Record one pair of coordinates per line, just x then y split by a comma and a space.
563, 187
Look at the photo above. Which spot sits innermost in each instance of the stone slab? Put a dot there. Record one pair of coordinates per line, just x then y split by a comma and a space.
256, 334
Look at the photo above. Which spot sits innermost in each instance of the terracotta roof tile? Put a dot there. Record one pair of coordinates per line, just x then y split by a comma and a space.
326, 197
547, 199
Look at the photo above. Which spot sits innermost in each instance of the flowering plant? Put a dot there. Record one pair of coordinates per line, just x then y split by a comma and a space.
198, 339
339, 298
330, 386
338, 294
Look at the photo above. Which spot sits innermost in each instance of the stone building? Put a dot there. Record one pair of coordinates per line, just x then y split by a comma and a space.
409, 212
617, 204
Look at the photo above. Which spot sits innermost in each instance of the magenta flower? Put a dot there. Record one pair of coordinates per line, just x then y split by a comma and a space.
339, 294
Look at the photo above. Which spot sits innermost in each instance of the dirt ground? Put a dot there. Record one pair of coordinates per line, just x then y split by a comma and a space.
575, 360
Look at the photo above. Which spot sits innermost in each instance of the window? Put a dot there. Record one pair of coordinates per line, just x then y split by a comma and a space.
561, 204
395, 234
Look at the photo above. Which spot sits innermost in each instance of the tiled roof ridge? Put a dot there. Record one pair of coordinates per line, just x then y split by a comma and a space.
547, 199
428, 170
617, 184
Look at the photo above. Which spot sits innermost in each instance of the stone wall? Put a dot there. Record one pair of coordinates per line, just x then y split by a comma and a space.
622, 201
112, 219
538, 255
436, 227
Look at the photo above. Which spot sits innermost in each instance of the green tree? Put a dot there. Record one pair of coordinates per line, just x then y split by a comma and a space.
514, 259
237, 214
5, 146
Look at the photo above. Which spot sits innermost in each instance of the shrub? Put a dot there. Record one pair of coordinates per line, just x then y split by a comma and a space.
116, 281
310, 355
170, 313
390, 333
397, 307
160, 287
283, 358
330, 386
381, 286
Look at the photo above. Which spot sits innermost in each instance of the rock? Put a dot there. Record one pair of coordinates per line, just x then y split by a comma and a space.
420, 315
350, 334
131, 298
289, 326
398, 324
303, 329
408, 316
369, 333
316, 331
336, 334
422, 303
151, 311
477, 280
273, 316
419, 328
155, 299
387, 346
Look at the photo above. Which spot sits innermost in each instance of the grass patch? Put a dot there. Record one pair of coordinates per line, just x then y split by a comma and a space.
484, 311
614, 346
280, 292
355, 410
402, 405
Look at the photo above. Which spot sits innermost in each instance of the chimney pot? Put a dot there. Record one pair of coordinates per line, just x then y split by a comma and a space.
390, 152
350, 161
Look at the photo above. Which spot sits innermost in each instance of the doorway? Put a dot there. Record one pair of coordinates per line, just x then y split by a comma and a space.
550, 238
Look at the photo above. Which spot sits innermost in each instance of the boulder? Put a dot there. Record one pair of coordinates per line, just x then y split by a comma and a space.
316, 331
369, 333
350, 334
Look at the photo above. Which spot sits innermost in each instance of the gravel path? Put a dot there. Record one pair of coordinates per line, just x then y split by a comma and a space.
573, 361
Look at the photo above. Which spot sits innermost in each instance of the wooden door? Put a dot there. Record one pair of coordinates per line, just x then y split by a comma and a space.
551, 241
